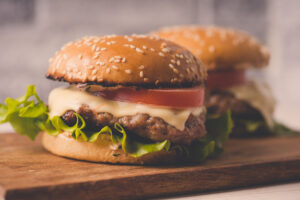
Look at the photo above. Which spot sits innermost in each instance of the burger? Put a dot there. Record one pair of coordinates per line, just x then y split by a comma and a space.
129, 99
228, 54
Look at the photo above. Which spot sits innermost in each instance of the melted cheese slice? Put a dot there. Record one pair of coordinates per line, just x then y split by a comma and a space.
259, 96
63, 99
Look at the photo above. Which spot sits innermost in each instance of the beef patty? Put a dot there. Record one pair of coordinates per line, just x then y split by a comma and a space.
143, 125
219, 102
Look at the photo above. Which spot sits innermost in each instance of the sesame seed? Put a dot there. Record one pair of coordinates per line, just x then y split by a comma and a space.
139, 50
91, 67
163, 44
128, 71
144, 47
171, 66
211, 48
111, 59
129, 39
94, 71
103, 49
151, 49
156, 82
132, 46
126, 45
161, 54
115, 67
178, 62
175, 70
88, 43
93, 47
123, 60
141, 74
98, 48
146, 79
141, 67
96, 56
113, 42
108, 43
107, 70
80, 56
173, 61
93, 78
117, 60
102, 63
166, 50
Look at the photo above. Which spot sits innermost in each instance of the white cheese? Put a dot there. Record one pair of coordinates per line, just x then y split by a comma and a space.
259, 96
63, 99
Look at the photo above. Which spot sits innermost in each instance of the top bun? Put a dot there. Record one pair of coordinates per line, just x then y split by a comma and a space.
135, 60
219, 48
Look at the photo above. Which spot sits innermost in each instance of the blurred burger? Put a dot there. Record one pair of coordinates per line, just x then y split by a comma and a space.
131, 99
228, 54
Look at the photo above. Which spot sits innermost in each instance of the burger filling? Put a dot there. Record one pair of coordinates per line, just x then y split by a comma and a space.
142, 125
251, 102
138, 128
157, 123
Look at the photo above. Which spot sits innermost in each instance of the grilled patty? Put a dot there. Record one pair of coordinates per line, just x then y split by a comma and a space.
219, 102
142, 125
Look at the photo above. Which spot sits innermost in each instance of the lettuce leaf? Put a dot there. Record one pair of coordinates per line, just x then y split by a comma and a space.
218, 130
279, 129
28, 115
24, 114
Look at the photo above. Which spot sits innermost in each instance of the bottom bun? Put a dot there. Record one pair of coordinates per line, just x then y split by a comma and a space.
103, 150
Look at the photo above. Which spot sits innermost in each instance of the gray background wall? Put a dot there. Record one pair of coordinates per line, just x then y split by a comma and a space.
32, 30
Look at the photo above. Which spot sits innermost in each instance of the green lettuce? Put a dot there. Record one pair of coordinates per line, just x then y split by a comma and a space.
28, 115
279, 129
218, 130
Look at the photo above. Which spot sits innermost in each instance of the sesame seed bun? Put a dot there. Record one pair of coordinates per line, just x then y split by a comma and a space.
219, 48
102, 150
134, 60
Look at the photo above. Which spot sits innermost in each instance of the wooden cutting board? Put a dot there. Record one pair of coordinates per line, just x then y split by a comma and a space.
27, 171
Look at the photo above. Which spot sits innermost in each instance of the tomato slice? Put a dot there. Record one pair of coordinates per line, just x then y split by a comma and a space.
176, 98
225, 79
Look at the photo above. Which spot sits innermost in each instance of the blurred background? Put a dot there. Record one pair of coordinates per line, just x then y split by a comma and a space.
32, 30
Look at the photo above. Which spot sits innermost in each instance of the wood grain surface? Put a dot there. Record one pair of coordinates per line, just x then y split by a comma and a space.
27, 171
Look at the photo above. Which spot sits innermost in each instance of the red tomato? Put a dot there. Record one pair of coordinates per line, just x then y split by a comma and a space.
225, 79
176, 98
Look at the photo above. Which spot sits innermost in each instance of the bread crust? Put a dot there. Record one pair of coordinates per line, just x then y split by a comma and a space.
127, 60
103, 150
219, 48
